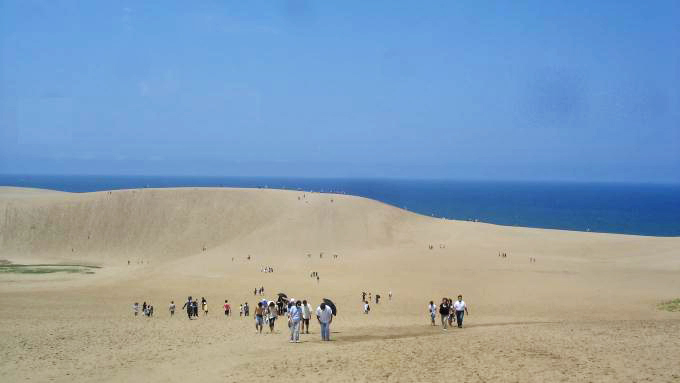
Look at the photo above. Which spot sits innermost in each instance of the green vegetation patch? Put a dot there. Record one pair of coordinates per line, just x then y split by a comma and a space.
46, 269
672, 305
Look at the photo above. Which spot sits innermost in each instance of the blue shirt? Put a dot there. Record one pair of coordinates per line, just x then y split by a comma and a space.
295, 313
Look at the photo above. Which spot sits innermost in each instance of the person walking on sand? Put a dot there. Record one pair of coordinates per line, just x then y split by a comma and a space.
450, 312
295, 317
240, 310
389, 295
189, 306
306, 315
172, 308
227, 308
194, 306
204, 305
433, 312
444, 310
367, 308
271, 316
461, 309
259, 317
324, 314
135, 308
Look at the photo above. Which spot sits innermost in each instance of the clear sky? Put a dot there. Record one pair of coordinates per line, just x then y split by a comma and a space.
568, 90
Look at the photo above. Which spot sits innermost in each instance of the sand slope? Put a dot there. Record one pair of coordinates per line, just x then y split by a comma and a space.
586, 310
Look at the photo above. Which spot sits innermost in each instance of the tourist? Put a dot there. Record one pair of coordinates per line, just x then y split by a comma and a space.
240, 310
271, 316
227, 308
367, 308
135, 308
433, 312
204, 305
444, 310
194, 306
259, 318
246, 309
189, 307
461, 309
324, 314
172, 308
450, 318
389, 295
306, 315
295, 317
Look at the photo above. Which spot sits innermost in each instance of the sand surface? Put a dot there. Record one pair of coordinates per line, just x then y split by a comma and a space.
586, 310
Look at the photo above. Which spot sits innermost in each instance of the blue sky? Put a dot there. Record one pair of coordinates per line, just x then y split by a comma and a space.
464, 90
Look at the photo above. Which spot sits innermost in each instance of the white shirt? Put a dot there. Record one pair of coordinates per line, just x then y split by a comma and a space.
306, 311
326, 315
459, 305
433, 309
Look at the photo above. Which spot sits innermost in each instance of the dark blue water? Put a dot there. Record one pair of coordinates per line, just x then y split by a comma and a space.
611, 208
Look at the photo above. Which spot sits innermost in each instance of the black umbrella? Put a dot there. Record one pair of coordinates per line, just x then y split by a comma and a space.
283, 295
330, 303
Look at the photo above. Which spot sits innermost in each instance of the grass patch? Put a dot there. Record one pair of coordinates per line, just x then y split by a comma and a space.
672, 305
46, 269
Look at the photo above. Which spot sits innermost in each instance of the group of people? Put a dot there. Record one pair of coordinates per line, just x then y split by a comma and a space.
267, 269
259, 291
298, 314
449, 312
441, 246
503, 255
314, 274
377, 297
244, 310
147, 309
192, 307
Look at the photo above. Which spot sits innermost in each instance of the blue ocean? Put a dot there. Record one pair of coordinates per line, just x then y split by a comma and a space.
642, 209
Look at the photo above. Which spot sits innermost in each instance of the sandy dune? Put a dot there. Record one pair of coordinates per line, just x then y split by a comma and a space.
585, 311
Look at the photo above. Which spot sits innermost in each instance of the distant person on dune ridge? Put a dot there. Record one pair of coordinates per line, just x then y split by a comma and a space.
171, 307
432, 308
461, 309
444, 312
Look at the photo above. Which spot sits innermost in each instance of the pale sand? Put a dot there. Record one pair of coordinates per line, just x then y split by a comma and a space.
585, 311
